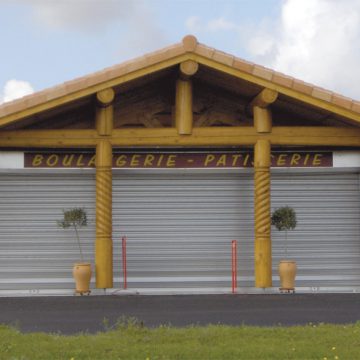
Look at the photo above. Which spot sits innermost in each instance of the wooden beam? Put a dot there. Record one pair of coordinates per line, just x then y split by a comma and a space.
265, 98
188, 68
184, 98
184, 107
105, 97
237, 135
259, 107
262, 119
316, 131
49, 138
104, 118
315, 136
223, 136
170, 137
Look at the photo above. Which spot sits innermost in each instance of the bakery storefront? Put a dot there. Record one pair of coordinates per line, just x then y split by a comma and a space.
181, 151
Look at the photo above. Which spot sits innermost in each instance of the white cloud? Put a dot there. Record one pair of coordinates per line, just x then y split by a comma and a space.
261, 45
81, 14
15, 89
221, 24
133, 20
316, 41
195, 24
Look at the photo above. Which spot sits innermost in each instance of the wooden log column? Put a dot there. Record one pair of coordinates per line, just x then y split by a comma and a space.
103, 245
183, 98
263, 273
262, 180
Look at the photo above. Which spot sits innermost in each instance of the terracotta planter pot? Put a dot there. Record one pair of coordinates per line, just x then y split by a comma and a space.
287, 272
82, 276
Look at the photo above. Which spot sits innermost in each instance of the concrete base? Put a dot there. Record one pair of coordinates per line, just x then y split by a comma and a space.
178, 291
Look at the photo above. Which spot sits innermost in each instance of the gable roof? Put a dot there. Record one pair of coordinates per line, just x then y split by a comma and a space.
150, 63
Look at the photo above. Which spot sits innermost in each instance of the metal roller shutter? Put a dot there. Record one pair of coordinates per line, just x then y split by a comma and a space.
34, 253
326, 242
180, 225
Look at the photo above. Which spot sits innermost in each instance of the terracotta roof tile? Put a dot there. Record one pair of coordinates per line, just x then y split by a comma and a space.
223, 58
302, 86
189, 43
3, 111
117, 70
40, 97
243, 65
342, 101
99, 77
321, 94
156, 56
76, 85
13, 106
355, 106
205, 51
174, 50
55, 92
262, 72
122, 70
283, 80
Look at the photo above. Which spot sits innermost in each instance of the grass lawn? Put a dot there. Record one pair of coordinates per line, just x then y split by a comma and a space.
128, 340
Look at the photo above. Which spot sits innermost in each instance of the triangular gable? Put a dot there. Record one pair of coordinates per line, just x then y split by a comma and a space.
188, 49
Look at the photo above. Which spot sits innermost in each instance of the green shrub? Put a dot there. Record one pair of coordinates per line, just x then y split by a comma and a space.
284, 219
75, 218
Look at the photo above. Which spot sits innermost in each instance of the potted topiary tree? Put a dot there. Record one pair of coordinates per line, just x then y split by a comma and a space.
77, 218
284, 219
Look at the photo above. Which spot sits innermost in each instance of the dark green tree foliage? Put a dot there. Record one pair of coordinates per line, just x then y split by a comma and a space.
77, 218
284, 218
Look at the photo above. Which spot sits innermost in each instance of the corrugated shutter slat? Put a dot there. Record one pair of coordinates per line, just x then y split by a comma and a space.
180, 226
34, 252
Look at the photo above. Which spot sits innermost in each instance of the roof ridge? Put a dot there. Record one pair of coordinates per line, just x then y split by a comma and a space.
189, 44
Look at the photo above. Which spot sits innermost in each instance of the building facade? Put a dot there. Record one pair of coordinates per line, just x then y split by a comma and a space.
181, 151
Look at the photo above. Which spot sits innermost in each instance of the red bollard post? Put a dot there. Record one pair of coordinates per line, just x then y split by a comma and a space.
234, 265
124, 261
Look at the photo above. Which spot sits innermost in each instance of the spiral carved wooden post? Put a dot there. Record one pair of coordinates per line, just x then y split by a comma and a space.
262, 163
103, 245
263, 276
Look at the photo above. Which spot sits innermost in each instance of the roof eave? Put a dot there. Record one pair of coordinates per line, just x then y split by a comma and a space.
189, 49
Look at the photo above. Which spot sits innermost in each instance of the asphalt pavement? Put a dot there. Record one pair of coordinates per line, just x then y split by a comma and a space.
69, 315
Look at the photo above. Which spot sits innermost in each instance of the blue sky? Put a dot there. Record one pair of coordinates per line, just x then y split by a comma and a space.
47, 42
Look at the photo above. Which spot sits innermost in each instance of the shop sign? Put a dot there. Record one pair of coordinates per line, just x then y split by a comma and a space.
164, 160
